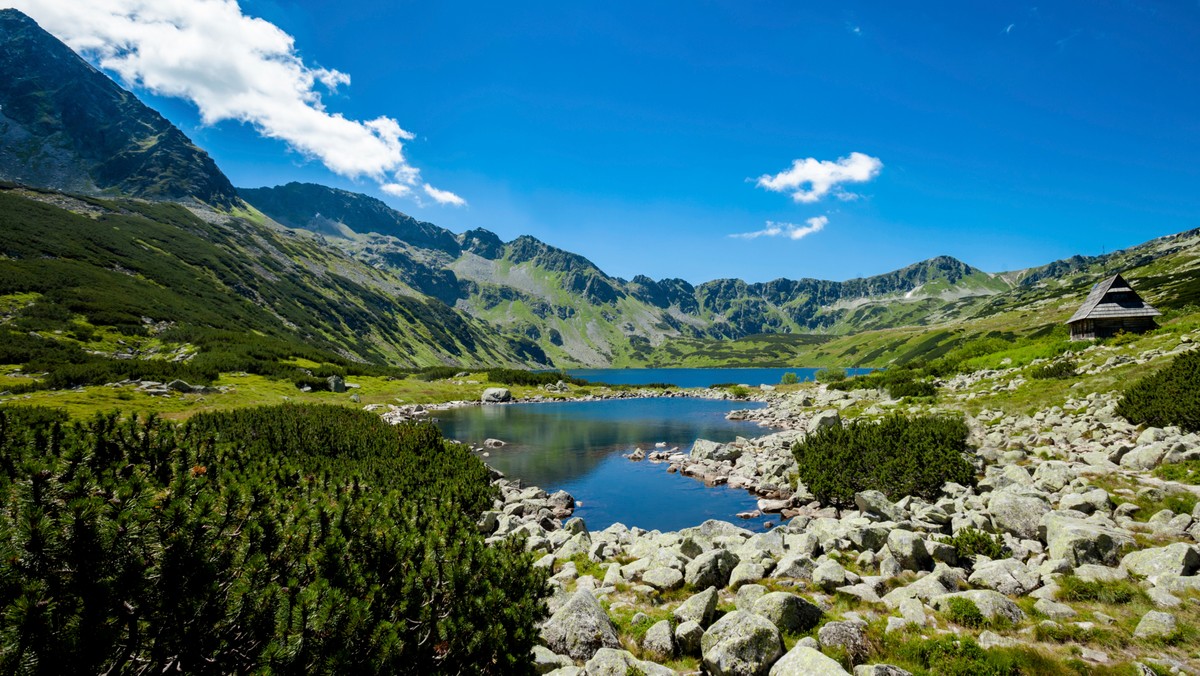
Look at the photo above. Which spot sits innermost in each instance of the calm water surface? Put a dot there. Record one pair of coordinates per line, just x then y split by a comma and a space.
682, 377
577, 447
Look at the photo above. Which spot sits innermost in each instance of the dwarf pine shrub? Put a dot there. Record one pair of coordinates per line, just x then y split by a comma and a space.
898, 456
1168, 397
294, 539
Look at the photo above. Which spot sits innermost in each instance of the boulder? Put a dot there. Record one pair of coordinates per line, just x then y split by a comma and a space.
909, 550
703, 449
611, 662
336, 383
875, 502
849, 635
699, 608
880, 670
798, 566
1082, 541
1088, 502
687, 638
1155, 624
579, 628
561, 503
829, 575
805, 661
663, 579
545, 661
1178, 558
1017, 513
991, 605
788, 612
1007, 576
740, 643
659, 642
829, 418
746, 572
496, 395
710, 569
1054, 610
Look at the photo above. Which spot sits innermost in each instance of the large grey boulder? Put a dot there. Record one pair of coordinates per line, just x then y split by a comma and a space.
942, 580
1088, 502
829, 418
336, 383
496, 395
663, 579
1007, 576
687, 638
796, 566
579, 628
1082, 541
545, 661
699, 608
788, 612
710, 569
1017, 513
829, 575
740, 644
805, 661
1155, 624
849, 635
611, 662
880, 670
703, 449
875, 502
745, 573
909, 550
659, 642
992, 605
1178, 558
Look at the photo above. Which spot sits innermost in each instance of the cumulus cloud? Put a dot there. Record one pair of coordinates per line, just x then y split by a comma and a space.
443, 196
810, 179
232, 67
789, 230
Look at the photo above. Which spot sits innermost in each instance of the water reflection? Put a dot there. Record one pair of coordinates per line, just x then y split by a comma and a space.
577, 446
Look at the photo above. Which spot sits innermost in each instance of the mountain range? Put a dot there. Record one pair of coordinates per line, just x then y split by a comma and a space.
348, 273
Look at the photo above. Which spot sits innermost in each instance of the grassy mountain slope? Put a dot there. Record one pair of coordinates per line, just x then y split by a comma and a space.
97, 270
1019, 324
67, 126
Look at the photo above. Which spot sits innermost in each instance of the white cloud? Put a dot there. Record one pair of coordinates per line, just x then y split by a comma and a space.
822, 176
232, 67
396, 189
789, 230
443, 196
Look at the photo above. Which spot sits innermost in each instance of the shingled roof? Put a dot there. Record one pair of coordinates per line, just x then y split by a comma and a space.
1113, 298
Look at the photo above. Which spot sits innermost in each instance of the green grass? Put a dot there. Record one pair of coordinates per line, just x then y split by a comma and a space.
1187, 472
1110, 592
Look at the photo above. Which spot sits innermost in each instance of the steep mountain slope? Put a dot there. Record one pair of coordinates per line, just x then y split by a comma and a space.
122, 266
67, 126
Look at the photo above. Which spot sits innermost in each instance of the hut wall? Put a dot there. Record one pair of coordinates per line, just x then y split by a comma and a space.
1088, 329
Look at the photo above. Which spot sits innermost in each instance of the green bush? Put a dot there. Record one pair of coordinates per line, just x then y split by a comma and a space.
971, 542
953, 655
830, 375
1169, 397
898, 455
739, 392
789, 378
912, 388
1055, 370
964, 612
295, 539
531, 378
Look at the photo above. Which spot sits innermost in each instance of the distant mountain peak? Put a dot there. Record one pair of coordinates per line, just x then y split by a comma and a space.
67, 126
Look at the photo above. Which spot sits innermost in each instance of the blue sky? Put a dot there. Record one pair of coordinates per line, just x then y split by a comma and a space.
1007, 135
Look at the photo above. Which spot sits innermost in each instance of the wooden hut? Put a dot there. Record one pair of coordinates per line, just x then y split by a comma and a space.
1112, 306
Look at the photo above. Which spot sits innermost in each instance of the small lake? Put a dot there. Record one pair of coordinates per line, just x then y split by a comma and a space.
699, 377
578, 447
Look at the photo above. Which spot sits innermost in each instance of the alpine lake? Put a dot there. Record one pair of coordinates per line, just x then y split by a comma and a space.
580, 446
